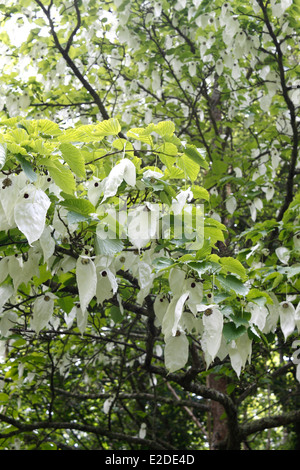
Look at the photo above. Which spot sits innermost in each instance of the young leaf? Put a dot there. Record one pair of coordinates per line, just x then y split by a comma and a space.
74, 159
108, 127
61, 175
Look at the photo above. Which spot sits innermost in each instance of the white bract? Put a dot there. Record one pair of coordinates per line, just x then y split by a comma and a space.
6, 291
123, 171
107, 285
176, 352
42, 311
30, 212
212, 333
231, 204
86, 277
287, 317
47, 243
240, 352
283, 254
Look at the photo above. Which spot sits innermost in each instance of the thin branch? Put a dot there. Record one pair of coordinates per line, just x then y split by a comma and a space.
291, 107
72, 66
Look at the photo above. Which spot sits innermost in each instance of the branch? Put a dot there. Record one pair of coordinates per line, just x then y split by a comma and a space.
135, 396
77, 27
291, 107
188, 410
65, 54
97, 430
269, 422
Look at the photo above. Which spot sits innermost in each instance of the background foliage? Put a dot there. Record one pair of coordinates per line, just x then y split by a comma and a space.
136, 343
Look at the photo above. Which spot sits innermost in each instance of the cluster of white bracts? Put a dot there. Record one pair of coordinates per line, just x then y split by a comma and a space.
188, 313
25, 205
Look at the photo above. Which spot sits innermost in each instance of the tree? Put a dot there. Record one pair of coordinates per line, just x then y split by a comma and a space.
149, 225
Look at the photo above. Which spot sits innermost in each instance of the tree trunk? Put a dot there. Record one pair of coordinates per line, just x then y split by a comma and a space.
219, 429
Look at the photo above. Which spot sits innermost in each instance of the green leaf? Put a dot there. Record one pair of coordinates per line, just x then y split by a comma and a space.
259, 297
4, 398
27, 168
168, 149
162, 263
108, 127
141, 134
116, 314
213, 234
165, 128
66, 303
202, 267
61, 175
232, 265
200, 193
108, 246
74, 159
122, 144
48, 127
81, 206
190, 167
232, 283
84, 133
192, 152
232, 332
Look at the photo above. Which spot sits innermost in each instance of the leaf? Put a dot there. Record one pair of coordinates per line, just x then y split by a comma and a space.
213, 234
61, 175
165, 128
86, 278
108, 246
200, 193
232, 283
74, 159
48, 127
204, 266
231, 331
190, 168
232, 265
162, 263
86, 133
140, 134
3, 151
122, 144
116, 314
80, 206
167, 148
176, 352
4, 398
192, 152
108, 127
27, 168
